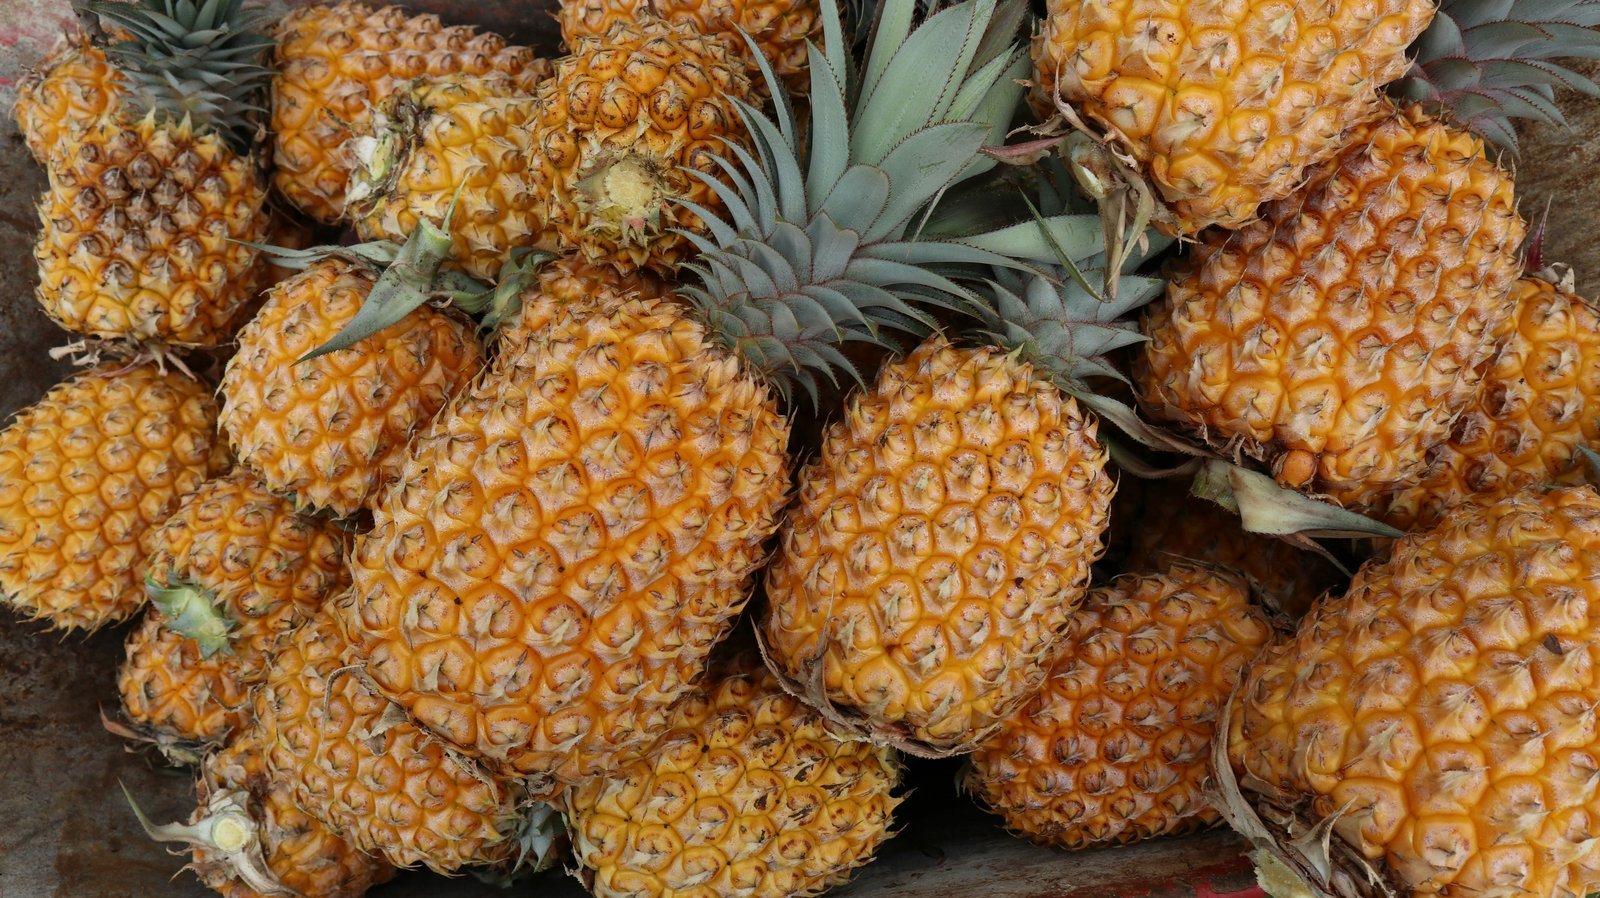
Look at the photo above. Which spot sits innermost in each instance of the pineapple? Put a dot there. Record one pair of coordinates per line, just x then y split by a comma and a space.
251, 840
1156, 524
1223, 106
571, 280
1115, 748
619, 122
750, 797
150, 206
453, 146
1432, 732
335, 66
231, 570
1339, 336
570, 538
332, 431
69, 91
354, 761
780, 28
87, 474
1539, 404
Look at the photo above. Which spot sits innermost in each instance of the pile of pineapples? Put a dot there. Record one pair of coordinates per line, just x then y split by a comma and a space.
449, 406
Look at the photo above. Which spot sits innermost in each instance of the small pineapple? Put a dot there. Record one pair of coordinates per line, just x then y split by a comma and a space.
1540, 402
233, 569
356, 762
332, 431
1116, 747
619, 122
87, 474
1223, 105
251, 840
1435, 725
750, 797
781, 28
336, 64
69, 91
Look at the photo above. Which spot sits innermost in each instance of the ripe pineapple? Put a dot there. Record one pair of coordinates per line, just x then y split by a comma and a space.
336, 64
1224, 106
250, 839
147, 205
333, 430
70, 90
780, 28
232, 570
453, 146
357, 763
619, 122
750, 797
567, 281
1537, 407
1439, 719
1338, 337
570, 538
1156, 524
86, 475
1115, 748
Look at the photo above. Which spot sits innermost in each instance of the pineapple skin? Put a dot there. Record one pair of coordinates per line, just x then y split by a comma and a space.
572, 280
1449, 700
71, 89
301, 853
1225, 105
267, 569
780, 28
336, 64
570, 538
1535, 409
139, 234
332, 432
1116, 747
939, 546
1338, 337
619, 119
750, 796
87, 474
468, 133
361, 767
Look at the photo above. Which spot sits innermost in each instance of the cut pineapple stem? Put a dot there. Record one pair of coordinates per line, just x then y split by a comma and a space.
226, 828
192, 611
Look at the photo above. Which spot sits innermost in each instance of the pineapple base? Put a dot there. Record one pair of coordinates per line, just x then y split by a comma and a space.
625, 196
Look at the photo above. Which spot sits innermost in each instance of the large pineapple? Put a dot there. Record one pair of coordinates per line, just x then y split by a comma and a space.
355, 762
1437, 723
571, 280
458, 146
750, 796
71, 89
1116, 747
233, 569
1223, 104
150, 206
781, 29
87, 474
332, 431
1540, 403
336, 64
250, 839
621, 125
575, 532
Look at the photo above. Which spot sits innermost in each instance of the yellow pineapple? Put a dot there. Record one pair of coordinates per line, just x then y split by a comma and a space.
87, 474
619, 121
249, 839
1437, 722
750, 797
332, 431
780, 28
336, 64
1536, 408
70, 90
1338, 337
565, 281
1116, 746
232, 570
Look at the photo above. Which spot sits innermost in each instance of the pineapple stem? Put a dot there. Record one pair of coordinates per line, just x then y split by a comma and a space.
192, 611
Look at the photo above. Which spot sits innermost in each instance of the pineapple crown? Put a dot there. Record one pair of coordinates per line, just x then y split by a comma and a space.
199, 60
821, 243
1489, 61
